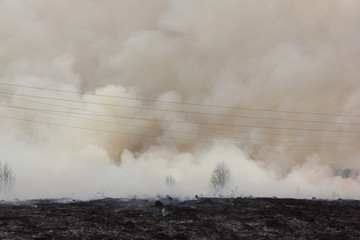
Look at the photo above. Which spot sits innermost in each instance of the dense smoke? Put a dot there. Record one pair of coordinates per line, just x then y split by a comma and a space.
269, 88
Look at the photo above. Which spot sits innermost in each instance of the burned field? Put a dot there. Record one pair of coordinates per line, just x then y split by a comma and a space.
204, 218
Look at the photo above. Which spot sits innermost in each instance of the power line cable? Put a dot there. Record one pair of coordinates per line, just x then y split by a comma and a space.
185, 104
177, 131
179, 124
180, 111
162, 138
110, 115
186, 122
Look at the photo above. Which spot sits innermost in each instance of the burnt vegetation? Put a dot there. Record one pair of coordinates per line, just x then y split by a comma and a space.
203, 218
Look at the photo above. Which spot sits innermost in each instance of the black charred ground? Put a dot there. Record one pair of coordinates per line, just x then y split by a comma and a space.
168, 218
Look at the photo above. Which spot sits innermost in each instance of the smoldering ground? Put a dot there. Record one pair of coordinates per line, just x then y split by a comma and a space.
269, 88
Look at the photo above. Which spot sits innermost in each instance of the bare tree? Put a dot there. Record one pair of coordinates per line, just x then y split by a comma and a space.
1, 177
220, 176
7, 177
169, 180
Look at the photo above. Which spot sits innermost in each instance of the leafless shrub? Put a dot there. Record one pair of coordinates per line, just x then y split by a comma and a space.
7, 177
220, 176
169, 181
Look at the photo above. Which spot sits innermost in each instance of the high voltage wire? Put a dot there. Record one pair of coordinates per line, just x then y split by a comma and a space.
172, 121
176, 131
109, 115
179, 111
185, 122
128, 125
177, 122
165, 138
185, 104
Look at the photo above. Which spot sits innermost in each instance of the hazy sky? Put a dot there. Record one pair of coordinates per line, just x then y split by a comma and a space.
270, 88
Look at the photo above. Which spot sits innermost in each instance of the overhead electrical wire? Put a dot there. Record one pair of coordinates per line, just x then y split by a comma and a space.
110, 115
176, 131
186, 122
178, 122
178, 111
166, 138
185, 104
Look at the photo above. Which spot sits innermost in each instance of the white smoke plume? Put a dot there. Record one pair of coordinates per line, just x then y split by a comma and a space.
295, 60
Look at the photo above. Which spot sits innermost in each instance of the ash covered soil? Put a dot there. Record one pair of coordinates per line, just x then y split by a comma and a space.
204, 218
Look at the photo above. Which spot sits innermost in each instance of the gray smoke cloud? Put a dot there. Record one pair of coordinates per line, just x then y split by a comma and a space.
283, 56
